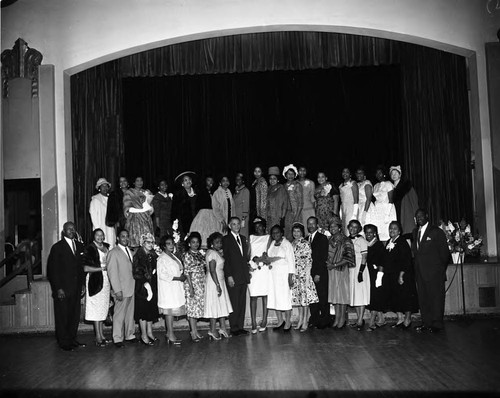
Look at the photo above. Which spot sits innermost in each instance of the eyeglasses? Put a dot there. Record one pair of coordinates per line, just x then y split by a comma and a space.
149, 242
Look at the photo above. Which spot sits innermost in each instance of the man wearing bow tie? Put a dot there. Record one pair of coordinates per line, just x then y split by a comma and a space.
431, 254
237, 273
66, 276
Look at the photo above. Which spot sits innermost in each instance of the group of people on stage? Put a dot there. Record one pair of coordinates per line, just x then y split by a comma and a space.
196, 252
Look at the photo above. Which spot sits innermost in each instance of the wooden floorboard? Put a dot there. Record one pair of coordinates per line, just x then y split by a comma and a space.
462, 361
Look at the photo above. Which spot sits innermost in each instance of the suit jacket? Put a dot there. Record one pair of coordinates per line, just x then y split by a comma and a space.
319, 246
235, 263
64, 269
120, 272
432, 255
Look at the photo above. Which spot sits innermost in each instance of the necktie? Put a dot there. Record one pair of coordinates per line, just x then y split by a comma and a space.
128, 254
310, 238
238, 240
73, 246
419, 236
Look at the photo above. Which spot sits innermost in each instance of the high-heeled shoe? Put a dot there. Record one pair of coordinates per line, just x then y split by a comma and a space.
212, 336
281, 326
341, 327
224, 334
406, 327
174, 342
153, 338
288, 329
398, 325
359, 328
200, 336
195, 339
148, 343
100, 343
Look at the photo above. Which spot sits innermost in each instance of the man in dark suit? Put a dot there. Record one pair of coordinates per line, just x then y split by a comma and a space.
431, 254
320, 312
236, 271
65, 273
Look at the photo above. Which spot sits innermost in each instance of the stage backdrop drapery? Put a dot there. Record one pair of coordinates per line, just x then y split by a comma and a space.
418, 106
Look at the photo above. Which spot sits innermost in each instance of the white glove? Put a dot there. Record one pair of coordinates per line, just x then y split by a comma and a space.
378, 281
355, 210
150, 291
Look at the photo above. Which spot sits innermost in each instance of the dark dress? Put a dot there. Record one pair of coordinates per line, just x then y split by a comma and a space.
184, 210
163, 210
400, 298
406, 203
114, 210
142, 268
374, 259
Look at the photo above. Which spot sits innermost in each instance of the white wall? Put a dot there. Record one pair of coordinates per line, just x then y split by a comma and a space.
75, 34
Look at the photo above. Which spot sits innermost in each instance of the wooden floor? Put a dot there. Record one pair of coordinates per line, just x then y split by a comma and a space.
462, 361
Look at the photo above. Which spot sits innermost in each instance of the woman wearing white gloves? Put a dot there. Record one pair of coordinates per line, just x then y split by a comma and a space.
349, 198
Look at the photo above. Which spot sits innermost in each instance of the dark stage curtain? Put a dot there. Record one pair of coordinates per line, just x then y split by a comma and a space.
200, 105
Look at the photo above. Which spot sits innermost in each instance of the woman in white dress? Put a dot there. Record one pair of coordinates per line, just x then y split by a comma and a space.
359, 278
171, 298
383, 211
223, 203
217, 302
365, 189
98, 209
97, 290
349, 199
282, 264
260, 280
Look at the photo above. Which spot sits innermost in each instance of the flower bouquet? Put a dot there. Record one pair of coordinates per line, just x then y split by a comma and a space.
461, 241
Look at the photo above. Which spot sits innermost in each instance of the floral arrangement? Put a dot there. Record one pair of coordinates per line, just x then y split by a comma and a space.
461, 239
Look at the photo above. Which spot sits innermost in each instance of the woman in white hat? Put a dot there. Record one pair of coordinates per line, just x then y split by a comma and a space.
98, 208
295, 199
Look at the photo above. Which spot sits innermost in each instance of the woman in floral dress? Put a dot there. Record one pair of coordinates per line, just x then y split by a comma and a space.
194, 286
304, 290
327, 200
258, 195
137, 212
295, 199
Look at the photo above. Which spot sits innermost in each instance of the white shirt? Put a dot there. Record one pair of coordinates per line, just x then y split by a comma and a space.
70, 243
126, 250
422, 231
311, 236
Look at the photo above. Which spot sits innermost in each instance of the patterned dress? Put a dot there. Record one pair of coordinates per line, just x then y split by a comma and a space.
308, 190
340, 248
304, 290
137, 223
258, 198
294, 206
277, 199
194, 265
325, 203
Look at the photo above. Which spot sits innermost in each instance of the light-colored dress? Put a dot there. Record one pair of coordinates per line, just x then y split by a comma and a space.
223, 204
171, 298
194, 265
340, 248
304, 290
362, 200
359, 292
277, 202
242, 209
216, 306
261, 275
97, 209
97, 306
382, 212
280, 294
294, 206
308, 189
347, 204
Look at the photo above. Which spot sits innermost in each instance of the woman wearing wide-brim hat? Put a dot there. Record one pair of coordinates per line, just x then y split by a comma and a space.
277, 199
184, 201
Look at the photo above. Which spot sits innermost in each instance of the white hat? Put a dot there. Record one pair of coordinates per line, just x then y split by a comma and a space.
290, 167
100, 182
